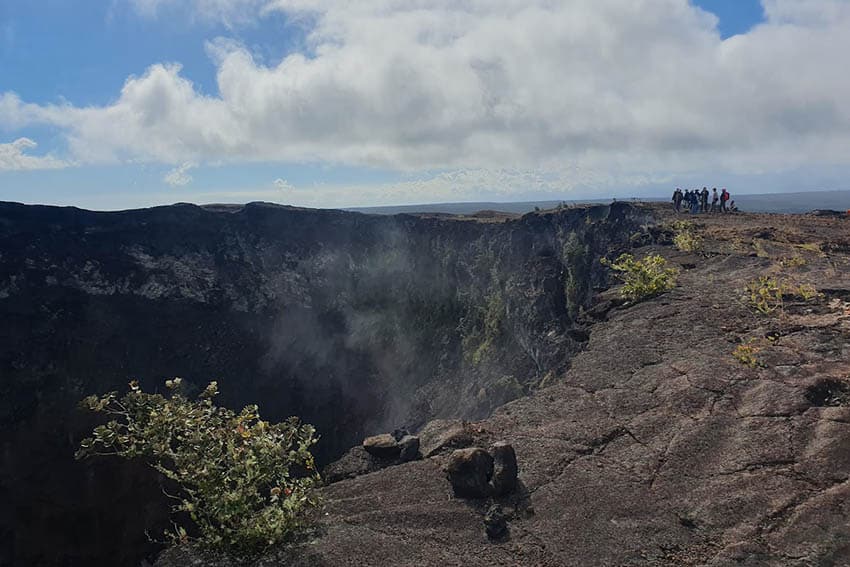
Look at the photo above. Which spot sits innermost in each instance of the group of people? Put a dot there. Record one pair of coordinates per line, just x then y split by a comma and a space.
696, 201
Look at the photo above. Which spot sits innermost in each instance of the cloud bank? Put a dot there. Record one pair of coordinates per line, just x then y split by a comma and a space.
574, 89
231, 13
13, 157
283, 185
179, 176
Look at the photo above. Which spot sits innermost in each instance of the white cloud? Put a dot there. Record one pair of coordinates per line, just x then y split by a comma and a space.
179, 176
229, 12
806, 12
13, 157
283, 185
621, 91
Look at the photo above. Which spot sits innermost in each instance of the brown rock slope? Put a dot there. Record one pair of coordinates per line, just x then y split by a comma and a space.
657, 447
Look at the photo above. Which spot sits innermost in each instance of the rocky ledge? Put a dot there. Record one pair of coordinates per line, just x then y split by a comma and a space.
657, 446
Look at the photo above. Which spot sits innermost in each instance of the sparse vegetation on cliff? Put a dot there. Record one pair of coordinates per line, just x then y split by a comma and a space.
645, 278
764, 295
486, 328
244, 482
685, 237
748, 354
806, 292
577, 259
792, 262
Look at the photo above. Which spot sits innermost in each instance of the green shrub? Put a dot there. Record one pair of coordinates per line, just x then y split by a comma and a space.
577, 259
748, 354
792, 262
685, 238
482, 327
812, 247
806, 292
644, 278
244, 482
764, 295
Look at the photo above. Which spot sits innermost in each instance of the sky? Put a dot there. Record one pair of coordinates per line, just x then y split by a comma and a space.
110, 104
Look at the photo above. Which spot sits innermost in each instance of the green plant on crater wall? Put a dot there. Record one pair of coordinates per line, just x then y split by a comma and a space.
685, 238
792, 262
244, 482
806, 292
576, 257
764, 295
645, 278
748, 354
479, 340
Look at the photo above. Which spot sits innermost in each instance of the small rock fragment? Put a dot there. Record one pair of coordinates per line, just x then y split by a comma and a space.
496, 522
469, 471
383, 446
409, 448
504, 468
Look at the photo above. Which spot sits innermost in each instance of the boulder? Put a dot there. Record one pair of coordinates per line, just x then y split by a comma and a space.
382, 446
376, 453
409, 448
469, 471
504, 468
355, 462
440, 435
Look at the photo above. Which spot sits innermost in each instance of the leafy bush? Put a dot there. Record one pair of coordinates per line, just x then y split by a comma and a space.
812, 247
244, 482
748, 354
685, 238
792, 262
577, 259
764, 295
643, 278
806, 292
478, 342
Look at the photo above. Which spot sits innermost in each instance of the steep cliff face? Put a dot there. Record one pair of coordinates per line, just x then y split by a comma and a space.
356, 323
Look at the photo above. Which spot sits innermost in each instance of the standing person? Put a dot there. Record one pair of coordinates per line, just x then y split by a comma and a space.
714, 199
677, 199
695, 201
703, 198
724, 196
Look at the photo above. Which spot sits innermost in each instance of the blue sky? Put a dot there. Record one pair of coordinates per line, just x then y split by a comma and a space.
735, 16
441, 104
84, 51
